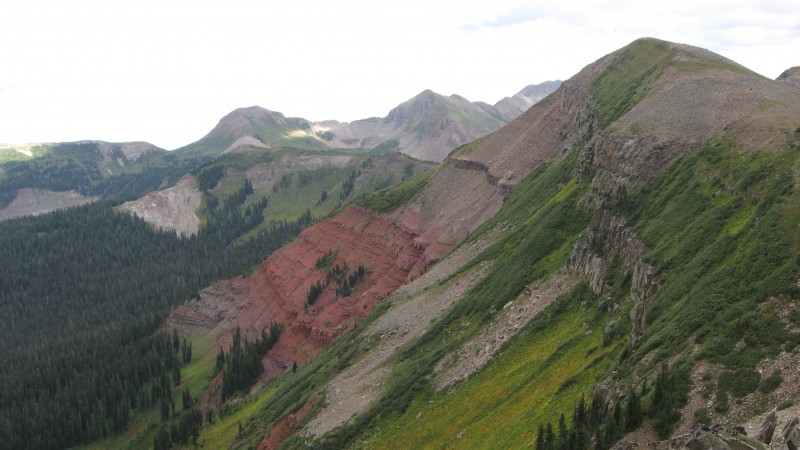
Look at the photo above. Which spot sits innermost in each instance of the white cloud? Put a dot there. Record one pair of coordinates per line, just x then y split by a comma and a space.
166, 71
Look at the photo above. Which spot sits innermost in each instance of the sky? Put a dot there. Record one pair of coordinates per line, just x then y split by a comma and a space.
166, 71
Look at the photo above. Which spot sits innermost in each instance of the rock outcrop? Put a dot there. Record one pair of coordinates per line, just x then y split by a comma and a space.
789, 439
173, 208
608, 238
767, 427
718, 438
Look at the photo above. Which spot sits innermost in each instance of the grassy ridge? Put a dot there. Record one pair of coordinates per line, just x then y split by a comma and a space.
391, 199
625, 81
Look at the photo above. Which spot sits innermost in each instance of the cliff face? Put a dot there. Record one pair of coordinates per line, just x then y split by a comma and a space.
387, 251
610, 237
32, 202
277, 292
173, 208
692, 96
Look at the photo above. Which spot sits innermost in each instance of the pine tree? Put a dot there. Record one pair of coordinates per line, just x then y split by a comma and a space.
633, 409
176, 342
540, 438
549, 437
563, 434
579, 420
187, 399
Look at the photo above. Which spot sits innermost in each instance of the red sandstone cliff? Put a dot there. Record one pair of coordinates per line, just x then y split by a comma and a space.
390, 251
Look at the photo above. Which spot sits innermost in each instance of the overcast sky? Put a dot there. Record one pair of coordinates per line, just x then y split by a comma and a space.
166, 71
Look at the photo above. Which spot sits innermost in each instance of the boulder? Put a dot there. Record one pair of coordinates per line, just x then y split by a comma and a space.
767, 427
790, 435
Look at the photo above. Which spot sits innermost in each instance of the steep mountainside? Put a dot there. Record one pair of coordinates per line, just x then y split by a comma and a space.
625, 257
617, 267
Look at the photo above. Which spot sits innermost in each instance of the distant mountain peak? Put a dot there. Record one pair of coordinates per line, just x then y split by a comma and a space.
427, 126
790, 76
790, 72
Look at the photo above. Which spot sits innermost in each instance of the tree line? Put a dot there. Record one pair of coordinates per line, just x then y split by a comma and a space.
606, 421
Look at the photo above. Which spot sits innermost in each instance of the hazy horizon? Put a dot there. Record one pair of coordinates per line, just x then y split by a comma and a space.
166, 72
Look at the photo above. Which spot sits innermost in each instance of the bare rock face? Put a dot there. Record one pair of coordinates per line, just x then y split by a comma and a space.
608, 238
789, 437
277, 291
385, 248
32, 202
602, 396
767, 427
638, 322
611, 235
172, 208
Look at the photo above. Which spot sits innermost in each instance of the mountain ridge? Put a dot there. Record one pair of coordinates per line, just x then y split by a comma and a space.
427, 126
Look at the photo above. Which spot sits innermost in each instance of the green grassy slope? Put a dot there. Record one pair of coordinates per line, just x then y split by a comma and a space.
735, 252
295, 190
541, 373
272, 129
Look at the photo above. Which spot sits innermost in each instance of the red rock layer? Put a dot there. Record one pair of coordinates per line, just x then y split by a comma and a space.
285, 428
278, 289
